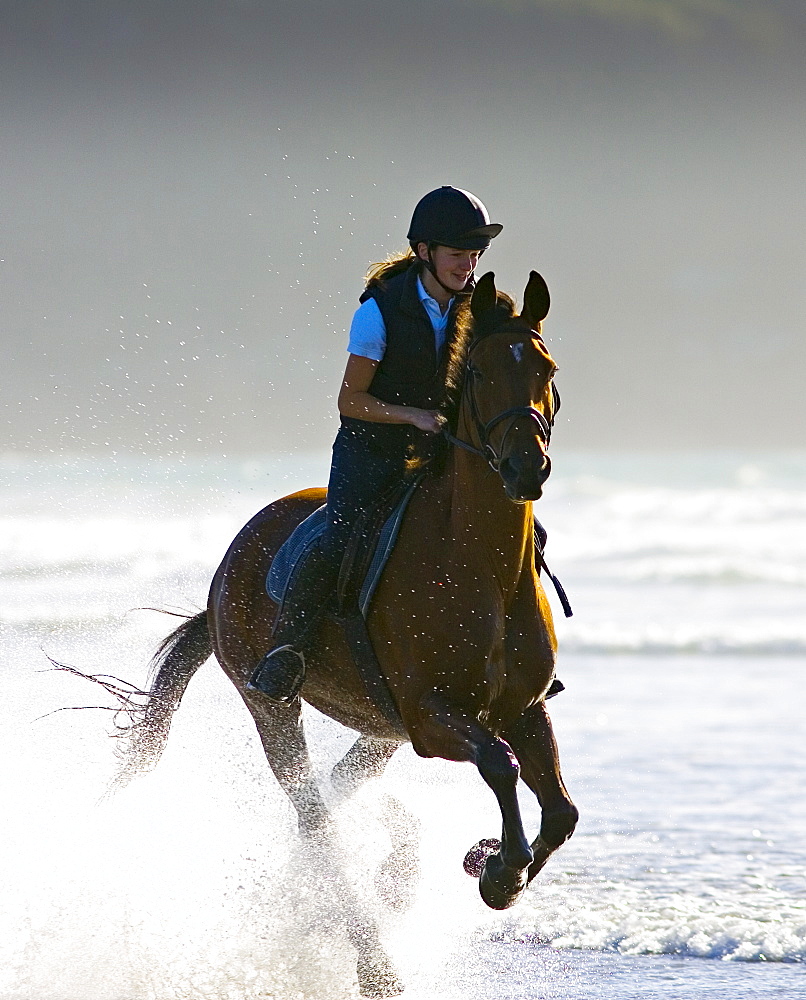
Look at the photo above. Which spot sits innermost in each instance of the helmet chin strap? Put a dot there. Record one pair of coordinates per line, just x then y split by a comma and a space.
429, 264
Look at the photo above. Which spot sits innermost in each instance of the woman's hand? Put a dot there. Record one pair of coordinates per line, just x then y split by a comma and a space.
431, 421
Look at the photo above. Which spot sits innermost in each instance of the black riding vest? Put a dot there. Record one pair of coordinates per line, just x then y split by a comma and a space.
410, 373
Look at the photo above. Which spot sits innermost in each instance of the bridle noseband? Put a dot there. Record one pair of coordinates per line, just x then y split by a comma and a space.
544, 431
487, 451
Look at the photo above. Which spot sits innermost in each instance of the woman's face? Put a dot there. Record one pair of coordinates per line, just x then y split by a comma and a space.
454, 267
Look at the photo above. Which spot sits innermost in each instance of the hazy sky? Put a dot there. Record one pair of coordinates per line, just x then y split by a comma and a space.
191, 193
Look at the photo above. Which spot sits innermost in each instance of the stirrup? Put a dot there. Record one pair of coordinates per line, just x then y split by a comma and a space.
279, 675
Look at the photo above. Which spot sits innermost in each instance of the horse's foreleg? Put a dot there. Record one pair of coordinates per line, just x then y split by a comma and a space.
281, 733
457, 736
532, 740
365, 759
396, 878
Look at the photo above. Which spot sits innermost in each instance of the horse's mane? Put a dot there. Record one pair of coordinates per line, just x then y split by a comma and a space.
467, 329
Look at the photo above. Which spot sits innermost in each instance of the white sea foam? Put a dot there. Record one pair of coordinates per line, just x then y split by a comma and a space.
635, 919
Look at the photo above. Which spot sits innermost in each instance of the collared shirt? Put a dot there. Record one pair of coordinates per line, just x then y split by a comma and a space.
368, 331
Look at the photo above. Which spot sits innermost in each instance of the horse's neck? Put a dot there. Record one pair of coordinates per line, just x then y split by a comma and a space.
483, 515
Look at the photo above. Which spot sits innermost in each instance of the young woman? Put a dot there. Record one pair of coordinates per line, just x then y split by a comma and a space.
393, 383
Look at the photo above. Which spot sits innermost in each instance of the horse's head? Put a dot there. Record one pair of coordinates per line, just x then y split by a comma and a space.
509, 400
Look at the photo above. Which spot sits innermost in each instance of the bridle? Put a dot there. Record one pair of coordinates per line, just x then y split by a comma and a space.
487, 451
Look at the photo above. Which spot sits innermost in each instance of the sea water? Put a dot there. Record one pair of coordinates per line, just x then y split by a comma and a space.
681, 734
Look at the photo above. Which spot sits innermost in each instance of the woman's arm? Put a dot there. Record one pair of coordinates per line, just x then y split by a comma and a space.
355, 400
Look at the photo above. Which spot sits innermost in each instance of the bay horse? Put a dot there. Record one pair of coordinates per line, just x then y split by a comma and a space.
460, 623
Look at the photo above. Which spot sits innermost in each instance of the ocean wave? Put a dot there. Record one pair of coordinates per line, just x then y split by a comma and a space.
632, 920
718, 570
34, 544
653, 640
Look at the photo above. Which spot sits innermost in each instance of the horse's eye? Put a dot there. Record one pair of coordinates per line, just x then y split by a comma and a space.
475, 372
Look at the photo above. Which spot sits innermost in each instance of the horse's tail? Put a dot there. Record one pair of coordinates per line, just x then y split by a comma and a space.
176, 660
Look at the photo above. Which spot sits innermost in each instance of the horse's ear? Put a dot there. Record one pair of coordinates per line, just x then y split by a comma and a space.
484, 295
536, 299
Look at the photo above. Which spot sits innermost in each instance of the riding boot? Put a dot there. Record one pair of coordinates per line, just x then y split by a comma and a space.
280, 673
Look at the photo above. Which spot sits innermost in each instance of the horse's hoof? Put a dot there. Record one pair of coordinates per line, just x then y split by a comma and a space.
377, 977
478, 854
501, 887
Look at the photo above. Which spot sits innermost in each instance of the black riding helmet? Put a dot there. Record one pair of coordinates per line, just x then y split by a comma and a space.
451, 217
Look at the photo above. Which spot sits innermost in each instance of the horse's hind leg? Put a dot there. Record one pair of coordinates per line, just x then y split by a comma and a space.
532, 740
281, 733
283, 738
397, 877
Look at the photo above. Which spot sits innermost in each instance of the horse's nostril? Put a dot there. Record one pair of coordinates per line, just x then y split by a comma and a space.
514, 466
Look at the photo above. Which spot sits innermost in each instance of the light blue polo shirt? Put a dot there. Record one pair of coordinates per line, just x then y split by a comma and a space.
368, 330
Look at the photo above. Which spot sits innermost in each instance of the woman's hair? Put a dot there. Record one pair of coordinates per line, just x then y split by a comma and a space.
394, 264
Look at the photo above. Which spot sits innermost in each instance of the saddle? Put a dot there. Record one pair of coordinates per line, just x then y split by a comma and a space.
366, 556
